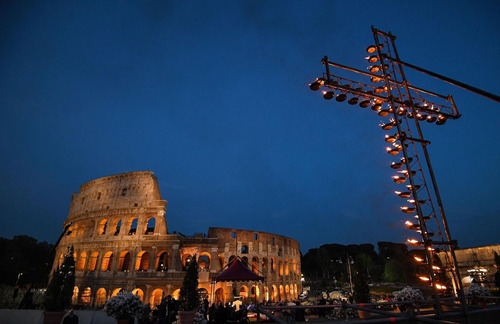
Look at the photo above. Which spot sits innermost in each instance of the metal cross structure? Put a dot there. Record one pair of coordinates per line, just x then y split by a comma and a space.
404, 107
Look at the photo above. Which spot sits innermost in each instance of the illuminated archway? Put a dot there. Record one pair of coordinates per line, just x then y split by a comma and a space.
156, 297
219, 296
116, 291
100, 297
107, 261
86, 296
142, 261
74, 298
138, 292
176, 294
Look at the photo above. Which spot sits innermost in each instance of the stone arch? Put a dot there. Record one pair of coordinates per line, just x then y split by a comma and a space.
204, 261
245, 261
81, 229
86, 296
186, 258
273, 264
91, 226
176, 294
156, 297
116, 291
74, 298
124, 261
254, 294
265, 262
92, 266
274, 293
74, 231
142, 261
255, 265
231, 258
296, 291
292, 293
162, 261
149, 227
280, 262
244, 293
282, 293
138, 292
286, 267
100, 297
287, 292
266, 293
80, 265
107, 261
101, 228
244, 249
219, 296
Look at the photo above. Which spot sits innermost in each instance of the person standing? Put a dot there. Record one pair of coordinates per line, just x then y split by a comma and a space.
71, 318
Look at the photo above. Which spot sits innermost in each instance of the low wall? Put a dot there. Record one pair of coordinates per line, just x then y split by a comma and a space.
29, 316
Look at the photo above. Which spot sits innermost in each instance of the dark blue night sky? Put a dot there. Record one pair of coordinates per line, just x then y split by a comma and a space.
213, 97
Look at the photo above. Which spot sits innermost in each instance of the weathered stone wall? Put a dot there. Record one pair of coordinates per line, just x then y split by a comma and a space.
119, 234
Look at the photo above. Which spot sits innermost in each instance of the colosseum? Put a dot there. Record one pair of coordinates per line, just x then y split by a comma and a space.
121, 241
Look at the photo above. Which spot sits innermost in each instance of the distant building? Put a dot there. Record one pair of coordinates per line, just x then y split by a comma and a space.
476, 264
119, 234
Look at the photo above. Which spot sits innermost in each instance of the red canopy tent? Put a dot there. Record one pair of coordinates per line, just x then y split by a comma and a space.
236, 270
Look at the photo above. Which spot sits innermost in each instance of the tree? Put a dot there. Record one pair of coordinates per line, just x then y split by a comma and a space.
361, 288
393, 271
190, 300
60, 289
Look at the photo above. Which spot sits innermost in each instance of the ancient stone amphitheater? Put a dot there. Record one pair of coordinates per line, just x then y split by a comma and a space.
121, 241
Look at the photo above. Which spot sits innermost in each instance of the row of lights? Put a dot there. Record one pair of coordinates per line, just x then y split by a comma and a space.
377, 104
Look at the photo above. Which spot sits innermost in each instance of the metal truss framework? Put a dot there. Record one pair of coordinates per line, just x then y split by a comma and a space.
404, 108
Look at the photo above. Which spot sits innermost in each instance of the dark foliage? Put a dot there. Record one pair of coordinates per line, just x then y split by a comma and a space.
189, 298
328, 262
24, 254
60, 288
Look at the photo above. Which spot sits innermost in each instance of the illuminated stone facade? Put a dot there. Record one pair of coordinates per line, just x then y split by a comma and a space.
121, 241
476, 263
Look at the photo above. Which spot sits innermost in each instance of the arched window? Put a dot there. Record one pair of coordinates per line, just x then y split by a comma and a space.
107, 261
100, 297
273, 264
117, 224
150, 226
264, 264
124, 261
142, 261
186, 258
74, 298
219, 296
266, 293
86, 295
133, 227
244, 294
81, 262
204, 261
255, 265
280, 262
162, 260
231, 258
93, 261
176, 294
245, 261
203, 293
244, 249
274, 293
286, 267
282, 293
101, 229
74, 231
287, 292
115, 292
81, 229
156, 296
91, 227
255, 294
